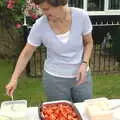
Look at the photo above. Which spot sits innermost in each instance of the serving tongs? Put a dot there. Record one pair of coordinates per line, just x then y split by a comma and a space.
115, 107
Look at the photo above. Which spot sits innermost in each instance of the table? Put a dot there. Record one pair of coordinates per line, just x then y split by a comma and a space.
32, 112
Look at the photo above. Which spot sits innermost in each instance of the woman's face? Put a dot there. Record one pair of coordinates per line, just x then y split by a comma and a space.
50, 11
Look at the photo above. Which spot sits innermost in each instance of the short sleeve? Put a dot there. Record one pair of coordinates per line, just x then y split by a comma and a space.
34, 37
87, 25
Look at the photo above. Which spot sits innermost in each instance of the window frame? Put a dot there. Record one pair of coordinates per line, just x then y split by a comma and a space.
106, 6
111, 9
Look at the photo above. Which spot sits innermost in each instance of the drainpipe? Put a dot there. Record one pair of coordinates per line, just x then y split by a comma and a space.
85, 2
106, 5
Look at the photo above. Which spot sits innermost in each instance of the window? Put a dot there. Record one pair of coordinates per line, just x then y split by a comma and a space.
95, 5
114, 4
76, 3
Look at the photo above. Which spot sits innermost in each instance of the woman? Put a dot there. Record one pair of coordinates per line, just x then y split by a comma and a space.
66, 33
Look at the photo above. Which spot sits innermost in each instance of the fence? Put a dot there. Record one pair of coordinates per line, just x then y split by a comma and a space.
106, 55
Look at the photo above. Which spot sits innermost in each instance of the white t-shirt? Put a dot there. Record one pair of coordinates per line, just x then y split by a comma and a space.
63, 58
63, 37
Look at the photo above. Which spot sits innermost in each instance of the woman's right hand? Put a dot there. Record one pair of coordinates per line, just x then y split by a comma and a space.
10, 87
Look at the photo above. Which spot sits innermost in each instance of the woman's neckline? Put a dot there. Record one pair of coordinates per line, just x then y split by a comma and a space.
70, 28
63, 34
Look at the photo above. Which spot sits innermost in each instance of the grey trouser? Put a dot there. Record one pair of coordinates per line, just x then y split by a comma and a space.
58, 88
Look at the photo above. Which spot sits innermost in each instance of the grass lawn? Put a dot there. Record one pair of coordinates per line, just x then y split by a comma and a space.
107, 85
28, 88
31, 88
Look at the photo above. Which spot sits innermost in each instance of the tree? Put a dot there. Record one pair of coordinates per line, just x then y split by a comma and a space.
18, 9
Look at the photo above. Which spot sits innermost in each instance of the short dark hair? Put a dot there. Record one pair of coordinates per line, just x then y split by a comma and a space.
51, 2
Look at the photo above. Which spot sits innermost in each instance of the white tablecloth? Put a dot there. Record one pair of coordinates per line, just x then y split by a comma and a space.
32, 112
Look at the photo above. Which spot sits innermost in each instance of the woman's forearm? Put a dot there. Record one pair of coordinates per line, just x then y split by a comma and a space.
88, 46
22, 62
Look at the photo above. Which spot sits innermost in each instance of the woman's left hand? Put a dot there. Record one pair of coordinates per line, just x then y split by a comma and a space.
81, 74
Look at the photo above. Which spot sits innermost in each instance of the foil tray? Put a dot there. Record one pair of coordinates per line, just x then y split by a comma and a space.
64, 102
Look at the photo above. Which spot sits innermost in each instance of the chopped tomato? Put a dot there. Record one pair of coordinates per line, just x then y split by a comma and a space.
59, 111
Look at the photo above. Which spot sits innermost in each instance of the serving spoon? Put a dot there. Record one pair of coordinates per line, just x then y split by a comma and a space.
12, 106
